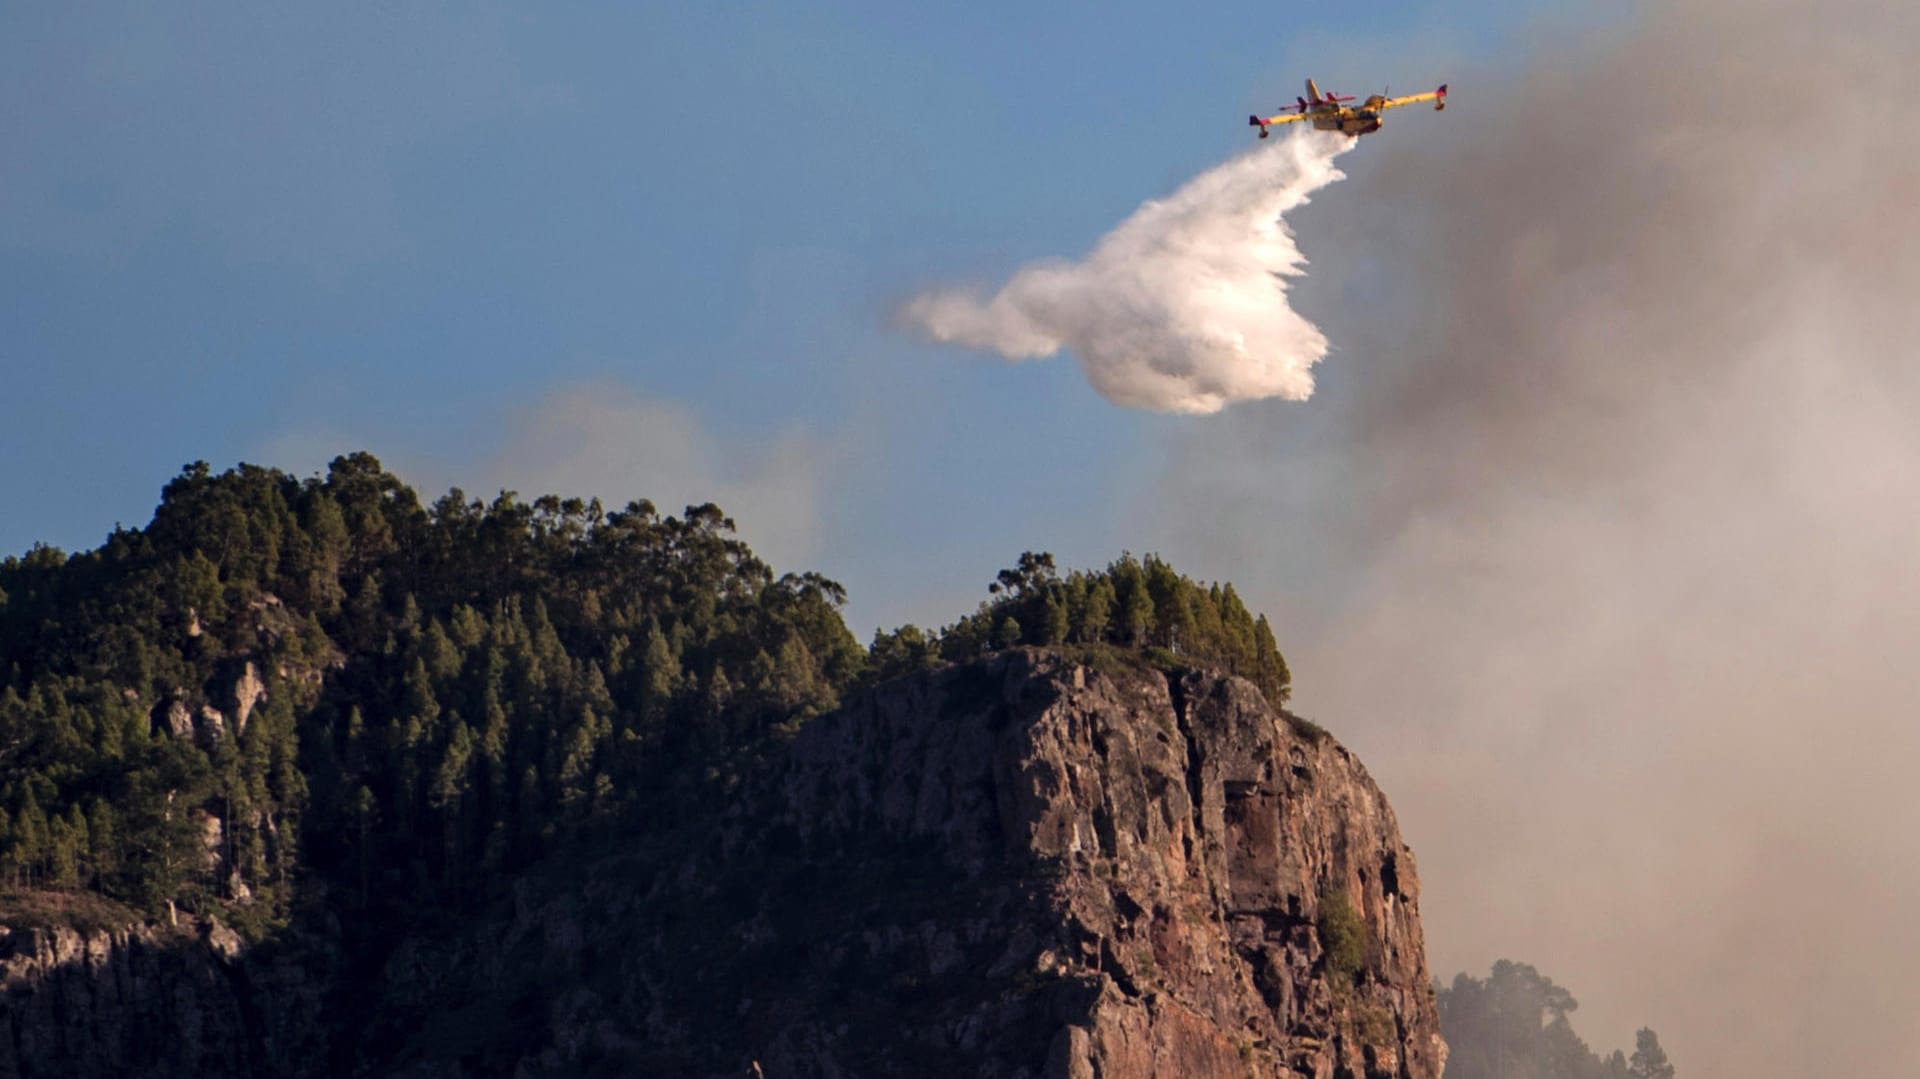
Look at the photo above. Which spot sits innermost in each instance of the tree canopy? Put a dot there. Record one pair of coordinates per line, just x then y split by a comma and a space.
1133, 603
1514, 1024
281, 674
283, 680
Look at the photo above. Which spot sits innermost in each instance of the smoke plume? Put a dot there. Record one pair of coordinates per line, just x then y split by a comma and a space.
1183, 307
1616, 591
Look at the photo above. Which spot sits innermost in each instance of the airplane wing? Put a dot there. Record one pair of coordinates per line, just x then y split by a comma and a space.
1438, 97
1283, 118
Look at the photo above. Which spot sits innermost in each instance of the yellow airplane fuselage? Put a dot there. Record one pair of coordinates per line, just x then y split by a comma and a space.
1355, 122
1349, 120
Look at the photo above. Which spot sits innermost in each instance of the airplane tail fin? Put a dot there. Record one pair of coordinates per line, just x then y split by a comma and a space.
1313, 91
1255, 121
1440, 98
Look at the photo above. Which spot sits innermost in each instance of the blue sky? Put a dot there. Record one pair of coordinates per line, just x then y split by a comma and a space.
235, 234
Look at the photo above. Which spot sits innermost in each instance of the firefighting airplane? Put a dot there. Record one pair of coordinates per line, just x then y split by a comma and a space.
1329, 114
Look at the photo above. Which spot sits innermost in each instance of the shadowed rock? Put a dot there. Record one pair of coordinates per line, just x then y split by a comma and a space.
1038, 864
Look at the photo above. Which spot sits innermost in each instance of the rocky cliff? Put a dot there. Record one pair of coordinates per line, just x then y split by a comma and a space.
1038, 864
1026, 866
1161, 848
107, 996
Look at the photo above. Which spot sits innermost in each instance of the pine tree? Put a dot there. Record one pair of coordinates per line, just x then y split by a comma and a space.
32, 840
1270, 668
719, 691
1649, 1061
363, 812
1134, 605
328, 545
69, 842
104, 843
661, 678
575, 773
1096, 620
1054, 623
494, 733
452, 781
354, 749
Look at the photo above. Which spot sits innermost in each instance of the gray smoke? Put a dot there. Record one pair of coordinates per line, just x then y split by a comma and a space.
1620, 599
1182, 307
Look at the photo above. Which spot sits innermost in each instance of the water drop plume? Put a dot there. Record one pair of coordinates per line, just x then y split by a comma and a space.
1183, 306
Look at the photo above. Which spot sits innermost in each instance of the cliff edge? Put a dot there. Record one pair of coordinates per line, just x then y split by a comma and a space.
1183, 852
1031, 865
1038, 864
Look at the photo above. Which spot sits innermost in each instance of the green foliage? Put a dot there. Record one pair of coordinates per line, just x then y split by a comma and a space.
447, 690
284, 682
1343, 937
1140, 604
904, 651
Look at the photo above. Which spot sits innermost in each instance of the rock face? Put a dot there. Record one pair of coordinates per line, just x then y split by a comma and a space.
248, 690
123, 1001
1022, 867
1174, 839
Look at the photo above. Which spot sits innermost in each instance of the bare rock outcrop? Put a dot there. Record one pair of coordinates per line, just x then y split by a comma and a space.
129, 1000
248, 690
100, 994
1183, 837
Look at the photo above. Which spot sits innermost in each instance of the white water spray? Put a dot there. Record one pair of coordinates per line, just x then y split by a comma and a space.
1183, 307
